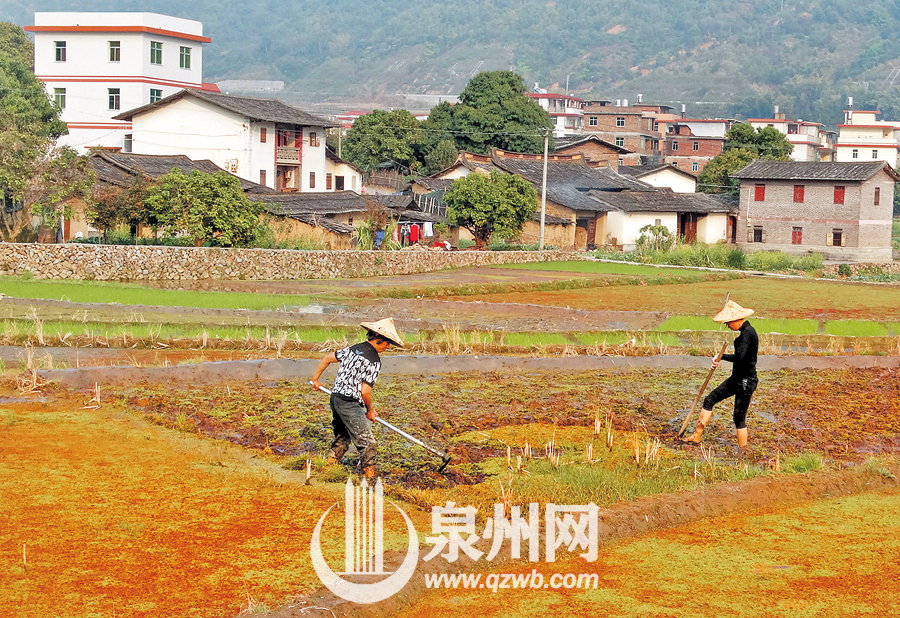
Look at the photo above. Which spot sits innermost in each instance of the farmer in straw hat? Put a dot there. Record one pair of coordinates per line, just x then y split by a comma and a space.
742, 381
351, 397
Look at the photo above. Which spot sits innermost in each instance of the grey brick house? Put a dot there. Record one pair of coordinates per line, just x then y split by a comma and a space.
842, 210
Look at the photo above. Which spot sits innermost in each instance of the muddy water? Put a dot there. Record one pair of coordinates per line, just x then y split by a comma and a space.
293, 369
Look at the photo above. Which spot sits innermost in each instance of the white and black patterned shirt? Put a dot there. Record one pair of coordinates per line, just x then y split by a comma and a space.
359, 363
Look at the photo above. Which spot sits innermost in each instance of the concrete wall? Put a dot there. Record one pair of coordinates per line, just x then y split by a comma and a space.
144, 263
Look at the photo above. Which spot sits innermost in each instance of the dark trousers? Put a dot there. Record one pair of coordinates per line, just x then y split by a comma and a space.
350, 424
742, 391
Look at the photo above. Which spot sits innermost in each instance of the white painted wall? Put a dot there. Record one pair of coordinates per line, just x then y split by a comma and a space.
201, 130
87, 74
625, 227
712, 228
352, 178
671, 179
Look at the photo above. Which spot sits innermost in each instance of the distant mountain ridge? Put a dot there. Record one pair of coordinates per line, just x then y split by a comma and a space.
720, 58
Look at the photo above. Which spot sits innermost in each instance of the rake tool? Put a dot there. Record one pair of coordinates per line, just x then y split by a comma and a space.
414, 440
687, 419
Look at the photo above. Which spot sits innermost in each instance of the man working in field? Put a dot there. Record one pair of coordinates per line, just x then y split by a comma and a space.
742, 381
351, 397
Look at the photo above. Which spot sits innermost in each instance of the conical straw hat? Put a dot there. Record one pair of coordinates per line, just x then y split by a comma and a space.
732, 312
386, 329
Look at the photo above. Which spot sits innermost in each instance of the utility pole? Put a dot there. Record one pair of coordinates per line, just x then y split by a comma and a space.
544, 185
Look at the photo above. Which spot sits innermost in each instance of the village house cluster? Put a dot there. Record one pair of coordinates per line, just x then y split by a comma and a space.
131, 91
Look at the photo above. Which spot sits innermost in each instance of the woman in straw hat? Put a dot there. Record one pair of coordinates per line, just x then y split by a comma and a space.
351, 397
742, 381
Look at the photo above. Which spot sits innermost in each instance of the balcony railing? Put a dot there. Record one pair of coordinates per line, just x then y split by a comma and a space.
286, 154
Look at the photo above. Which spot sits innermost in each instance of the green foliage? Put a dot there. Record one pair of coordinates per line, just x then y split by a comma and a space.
204, 207
65, 176
804, 462
844, 270
384, 137
718, 256
654, 238
743, 145
716, 176
24, 104
114, 206
493, 112
441, 156
763, 142
491, 204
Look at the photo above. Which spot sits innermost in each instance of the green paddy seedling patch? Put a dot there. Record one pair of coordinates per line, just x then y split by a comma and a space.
855, 328
762, 325
133, 294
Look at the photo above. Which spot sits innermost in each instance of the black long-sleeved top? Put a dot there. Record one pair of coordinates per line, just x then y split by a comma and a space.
746, 347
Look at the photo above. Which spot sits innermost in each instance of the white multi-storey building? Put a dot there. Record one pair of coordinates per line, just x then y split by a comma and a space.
96, 65
566, 113
810, 139
862, 138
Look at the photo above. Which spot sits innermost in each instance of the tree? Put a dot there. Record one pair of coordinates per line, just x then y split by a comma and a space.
716, 176
491, 204
24, 104
205, 207
765, 142
493, 112
29, 123
114, 206
441, 156
743, 145
62, 177
384, 137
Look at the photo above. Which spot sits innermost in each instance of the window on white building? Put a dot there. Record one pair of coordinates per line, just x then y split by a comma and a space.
115, 99
185, 58
854, 154
129, 143
60, 51
155, 95
115, 51
59, 97
874, 154
155, 52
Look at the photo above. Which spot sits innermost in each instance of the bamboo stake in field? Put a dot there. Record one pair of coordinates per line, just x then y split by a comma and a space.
687, 419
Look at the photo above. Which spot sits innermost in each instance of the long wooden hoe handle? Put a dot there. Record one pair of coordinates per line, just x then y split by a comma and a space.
687, 419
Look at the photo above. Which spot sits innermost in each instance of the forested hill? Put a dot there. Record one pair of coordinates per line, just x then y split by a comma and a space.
738, 58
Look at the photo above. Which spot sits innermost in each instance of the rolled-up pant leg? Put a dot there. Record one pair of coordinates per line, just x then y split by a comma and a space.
351, 425
741, 390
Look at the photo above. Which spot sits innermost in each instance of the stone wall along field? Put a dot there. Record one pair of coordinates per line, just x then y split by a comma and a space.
148, 263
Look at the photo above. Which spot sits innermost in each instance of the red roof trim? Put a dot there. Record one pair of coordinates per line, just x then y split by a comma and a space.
146, 29
851, 145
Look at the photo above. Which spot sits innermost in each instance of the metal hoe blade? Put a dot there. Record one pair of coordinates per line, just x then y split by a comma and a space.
414, 440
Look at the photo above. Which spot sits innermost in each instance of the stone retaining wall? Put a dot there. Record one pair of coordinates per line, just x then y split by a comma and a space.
147, 263
864, 268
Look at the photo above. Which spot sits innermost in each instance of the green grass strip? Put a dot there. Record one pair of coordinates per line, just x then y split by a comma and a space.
678, 323
50, 329
855, 328
133, 294
611, 268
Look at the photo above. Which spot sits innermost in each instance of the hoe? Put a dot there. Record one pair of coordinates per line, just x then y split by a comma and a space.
443, 456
